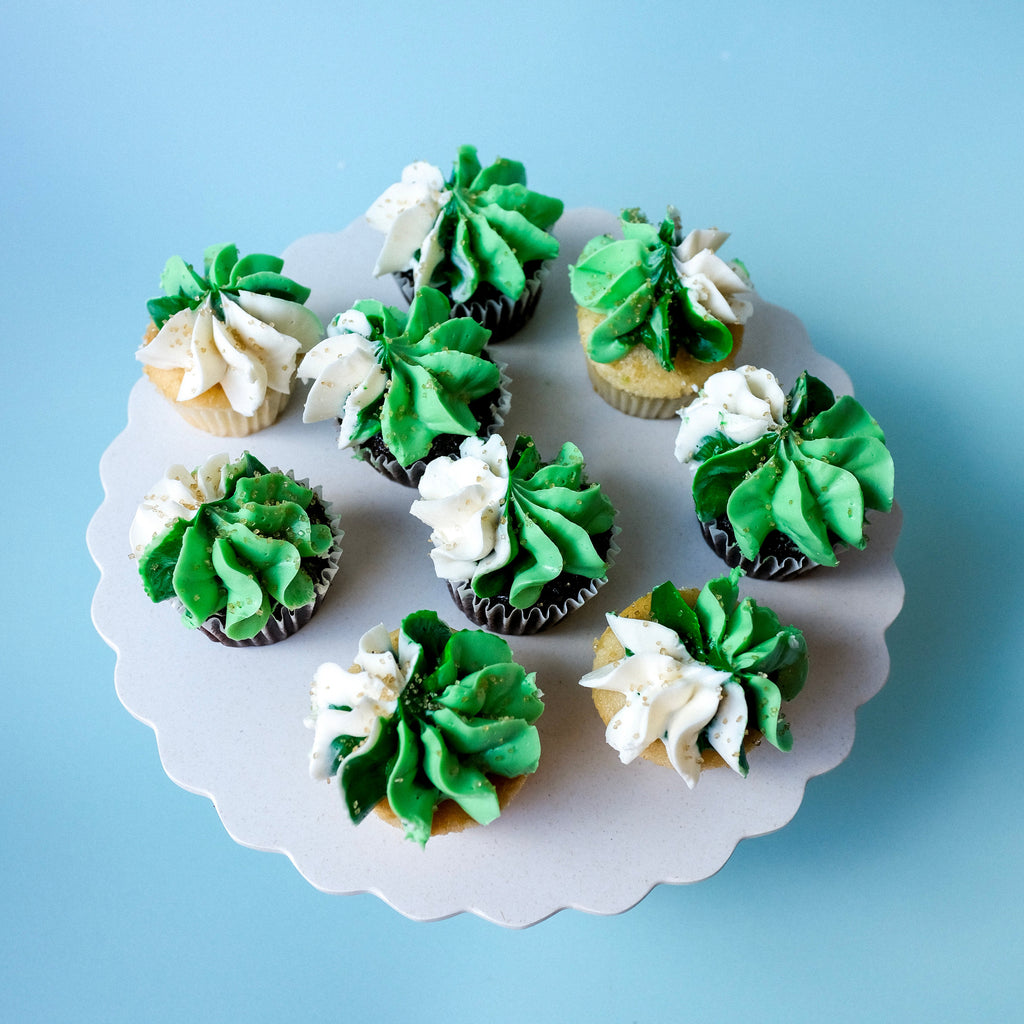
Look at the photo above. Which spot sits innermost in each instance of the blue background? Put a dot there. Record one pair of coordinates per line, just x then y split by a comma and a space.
867, 155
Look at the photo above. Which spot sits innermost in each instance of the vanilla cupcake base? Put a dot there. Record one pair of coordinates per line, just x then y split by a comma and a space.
449, 817
211, 411
638, 385
609, 702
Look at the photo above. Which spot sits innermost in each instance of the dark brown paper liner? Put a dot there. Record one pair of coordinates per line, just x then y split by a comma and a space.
286, 621
785, 562
500, 617
490, 308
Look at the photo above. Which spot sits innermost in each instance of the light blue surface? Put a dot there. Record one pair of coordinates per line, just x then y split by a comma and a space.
867, 156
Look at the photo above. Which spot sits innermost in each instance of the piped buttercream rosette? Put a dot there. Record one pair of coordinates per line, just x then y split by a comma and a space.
658, 312
223, 345
520, 543
405, 388
782, 483
691, 679
481, 236
432, 728
245, 553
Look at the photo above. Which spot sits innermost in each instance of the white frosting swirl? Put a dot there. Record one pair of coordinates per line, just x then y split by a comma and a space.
371, 694
244, 353
177, 495
463, 500
406, 212
744, 404
716, 288
670, 697
346, 374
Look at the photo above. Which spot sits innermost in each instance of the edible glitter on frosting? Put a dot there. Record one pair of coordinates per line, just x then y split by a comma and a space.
430, 718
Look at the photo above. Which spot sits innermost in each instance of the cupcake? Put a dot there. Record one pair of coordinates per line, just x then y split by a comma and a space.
406, 387
692, 680
432, 728
519, 541
222, 345
245, 552
658, 313
781, 483
482, 237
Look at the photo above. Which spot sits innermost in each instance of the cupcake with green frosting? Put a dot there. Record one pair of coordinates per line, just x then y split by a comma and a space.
244, 552
222, 345
405, 387
520, 542
432, 728
692, 680
659, 311
782, 483
480, 236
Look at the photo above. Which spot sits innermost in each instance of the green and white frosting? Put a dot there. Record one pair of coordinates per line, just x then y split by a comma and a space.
512, 525
698, 678
240, 324
662, 289
808, 465
424, 720
232, 539
408, 376
479, 227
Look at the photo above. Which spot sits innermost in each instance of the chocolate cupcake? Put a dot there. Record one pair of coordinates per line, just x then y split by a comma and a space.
520, 542
782, 483
245, 553
481, 237
406, 387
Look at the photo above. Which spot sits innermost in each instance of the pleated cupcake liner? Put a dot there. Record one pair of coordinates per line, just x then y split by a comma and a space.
766, 566
499, 617
641, 406
501, 315
228, 423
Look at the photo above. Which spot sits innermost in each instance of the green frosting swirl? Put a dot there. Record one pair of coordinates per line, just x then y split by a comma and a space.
491, 226
811, 480
242, 555
435, 370
552, 516
767, 659
223, 271
633, 281
466, 711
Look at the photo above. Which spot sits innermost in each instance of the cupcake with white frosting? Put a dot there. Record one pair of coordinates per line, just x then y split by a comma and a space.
405, 388
659, 311
222, 346
520, 542
692, 680
245, 553
782, 483
432, 728
480, 236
